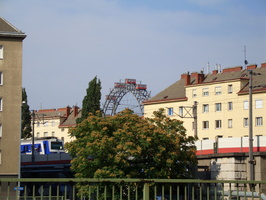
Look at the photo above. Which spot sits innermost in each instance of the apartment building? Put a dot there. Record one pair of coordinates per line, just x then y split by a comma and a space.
11, 40
55, 122
216, 104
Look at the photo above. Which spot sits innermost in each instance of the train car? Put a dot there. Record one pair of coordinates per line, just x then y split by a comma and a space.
48, 145
141, 87
130, 81
119, 85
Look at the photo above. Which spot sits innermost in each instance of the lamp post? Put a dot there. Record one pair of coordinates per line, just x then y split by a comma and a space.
251, 158
32, 144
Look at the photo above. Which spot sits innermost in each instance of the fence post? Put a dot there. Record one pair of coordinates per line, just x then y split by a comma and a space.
146, 191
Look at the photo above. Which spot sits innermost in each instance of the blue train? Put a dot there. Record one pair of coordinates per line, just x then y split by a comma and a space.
48, 145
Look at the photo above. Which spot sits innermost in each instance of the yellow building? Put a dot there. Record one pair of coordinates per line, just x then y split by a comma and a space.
55, 122
10, 98
219, 100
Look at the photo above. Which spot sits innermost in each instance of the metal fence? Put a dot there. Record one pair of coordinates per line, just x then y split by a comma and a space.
130, 189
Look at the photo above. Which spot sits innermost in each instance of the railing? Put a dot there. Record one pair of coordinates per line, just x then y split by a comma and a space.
130, 189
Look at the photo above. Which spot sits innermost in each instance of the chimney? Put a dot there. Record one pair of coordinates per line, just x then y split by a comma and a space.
186, 77
75, 110
67, 111
251, 67
215, 71
263, 65
198, 77
232, 69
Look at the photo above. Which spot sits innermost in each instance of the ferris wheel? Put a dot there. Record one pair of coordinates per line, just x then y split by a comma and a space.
114, 100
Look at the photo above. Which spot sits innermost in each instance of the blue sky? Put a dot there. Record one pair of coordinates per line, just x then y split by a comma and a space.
154, 41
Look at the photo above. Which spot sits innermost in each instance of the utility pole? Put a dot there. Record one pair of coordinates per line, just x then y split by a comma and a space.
251, 157
32, 143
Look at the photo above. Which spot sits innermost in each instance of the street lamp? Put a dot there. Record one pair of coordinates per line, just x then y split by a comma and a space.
32, 143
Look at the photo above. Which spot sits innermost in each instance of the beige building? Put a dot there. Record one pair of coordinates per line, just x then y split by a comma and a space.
11, 40
55, 122
219, 100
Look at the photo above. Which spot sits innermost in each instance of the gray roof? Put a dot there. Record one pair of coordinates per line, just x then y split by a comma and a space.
176, 91
7, 29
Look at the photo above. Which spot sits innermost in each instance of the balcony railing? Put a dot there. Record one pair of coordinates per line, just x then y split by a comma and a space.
130, 189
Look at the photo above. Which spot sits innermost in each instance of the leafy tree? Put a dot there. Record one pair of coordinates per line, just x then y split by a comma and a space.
91, 102
25, 116
129, 146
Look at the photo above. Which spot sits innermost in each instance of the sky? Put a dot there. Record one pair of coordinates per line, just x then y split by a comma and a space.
69, 42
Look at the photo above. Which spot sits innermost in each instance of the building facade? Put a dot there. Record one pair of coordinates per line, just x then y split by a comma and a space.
216, 105
11, 40
55, 122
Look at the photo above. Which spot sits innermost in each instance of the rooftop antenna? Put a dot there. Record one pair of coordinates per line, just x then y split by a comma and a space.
245, 55
208, 68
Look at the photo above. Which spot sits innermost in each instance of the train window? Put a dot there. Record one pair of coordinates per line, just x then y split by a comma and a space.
57, 145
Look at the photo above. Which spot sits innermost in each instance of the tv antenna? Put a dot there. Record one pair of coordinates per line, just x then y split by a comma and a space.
245, 56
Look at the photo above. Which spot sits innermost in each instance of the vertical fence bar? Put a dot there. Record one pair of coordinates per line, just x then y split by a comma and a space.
171, 192
57, 192
128, 192
136, 194
65, 192
185, 192
97, 192
50, 191
105, 192
178, 192
162, 191
113, 192
155, 192
73, 192
193, 191
201, 191
146, 191
208, 192
33, 191
8, 190
121, 192
42, 192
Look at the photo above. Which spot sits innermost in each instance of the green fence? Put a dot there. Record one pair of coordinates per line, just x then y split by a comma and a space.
130, 189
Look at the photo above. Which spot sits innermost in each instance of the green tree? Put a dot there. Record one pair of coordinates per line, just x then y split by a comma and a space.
92, 101
25, 116
129, 146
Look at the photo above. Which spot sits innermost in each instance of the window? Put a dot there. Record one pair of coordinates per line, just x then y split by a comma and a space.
52, 123
1, 128
205, 92
170, 111
1, 78
218, 124
194, 93
205, 108
230, 89
259, 121
1, 52
38, 134
230, 105
53, 134
258, 103
38, 124
62, 129
181, 111
245, 122
218, 107
205, 124
218, 90
45, 134
245, 105
45, 124
1, 104
230, 123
